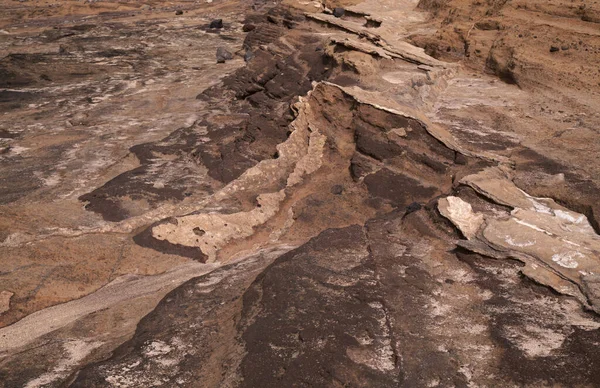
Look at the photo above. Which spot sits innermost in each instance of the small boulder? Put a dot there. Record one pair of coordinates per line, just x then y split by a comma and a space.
248, 27
338, 12
179, 12
248, 56
223, 55
554, 49
217, 23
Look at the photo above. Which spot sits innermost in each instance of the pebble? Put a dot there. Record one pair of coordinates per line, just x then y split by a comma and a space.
248, 27
338, 12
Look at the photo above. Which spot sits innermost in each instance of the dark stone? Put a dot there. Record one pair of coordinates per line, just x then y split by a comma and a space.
399, 190
223, 55
413, 207
565, 47
460, 159
338, 12
217, 23
179, 12
554, 49
248, 56
337, 189
248, 27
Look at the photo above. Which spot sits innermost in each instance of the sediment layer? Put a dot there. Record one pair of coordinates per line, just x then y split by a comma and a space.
336, 207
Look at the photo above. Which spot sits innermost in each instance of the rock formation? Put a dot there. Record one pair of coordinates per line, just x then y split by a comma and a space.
364, 194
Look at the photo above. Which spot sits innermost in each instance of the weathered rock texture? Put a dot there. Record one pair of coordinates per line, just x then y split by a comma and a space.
334, 206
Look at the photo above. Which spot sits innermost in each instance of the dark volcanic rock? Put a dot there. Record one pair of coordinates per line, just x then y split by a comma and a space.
338, 12
217, 23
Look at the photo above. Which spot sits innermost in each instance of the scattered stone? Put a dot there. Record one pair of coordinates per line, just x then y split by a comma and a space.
248, 56
248, 27
564, 47
338, 12
553, 49
223, 55
337, 189
217, 23
179, 12
461, 214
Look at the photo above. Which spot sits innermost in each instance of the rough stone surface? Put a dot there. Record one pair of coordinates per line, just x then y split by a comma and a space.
401, 194
223, 55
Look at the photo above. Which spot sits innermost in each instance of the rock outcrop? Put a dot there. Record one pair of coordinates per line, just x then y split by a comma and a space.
331, 205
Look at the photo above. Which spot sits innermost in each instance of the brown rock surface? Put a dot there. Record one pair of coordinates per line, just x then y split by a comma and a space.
335, 206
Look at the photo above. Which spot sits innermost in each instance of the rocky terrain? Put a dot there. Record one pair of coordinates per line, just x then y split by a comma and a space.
277, 194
